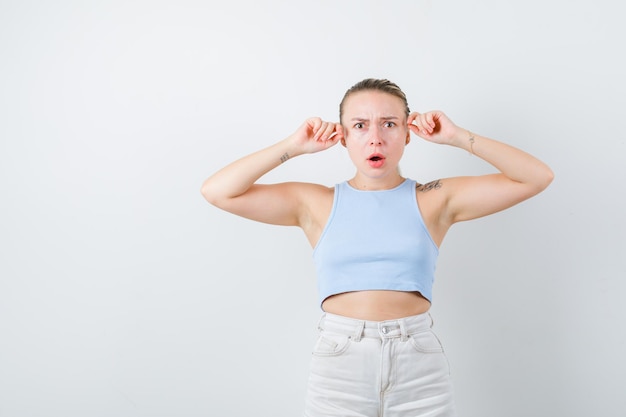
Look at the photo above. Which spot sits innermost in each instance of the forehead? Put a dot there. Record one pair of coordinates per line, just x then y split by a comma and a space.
373, 102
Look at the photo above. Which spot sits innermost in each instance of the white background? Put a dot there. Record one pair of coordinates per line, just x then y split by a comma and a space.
123, 293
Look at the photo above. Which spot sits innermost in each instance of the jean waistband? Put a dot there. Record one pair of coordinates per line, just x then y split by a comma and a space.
358, 329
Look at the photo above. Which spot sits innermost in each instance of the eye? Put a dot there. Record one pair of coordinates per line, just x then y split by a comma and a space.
358, 125
389, 124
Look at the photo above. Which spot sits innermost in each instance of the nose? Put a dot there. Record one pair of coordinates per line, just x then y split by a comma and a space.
376, 138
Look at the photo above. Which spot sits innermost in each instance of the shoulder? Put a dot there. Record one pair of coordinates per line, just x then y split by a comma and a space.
432, 195
308, 196
432, 185
436, 202
316, 206
432, 199
304, 197
297, 190
318, 198
307, 190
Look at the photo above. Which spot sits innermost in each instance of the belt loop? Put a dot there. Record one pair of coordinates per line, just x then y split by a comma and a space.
403, 335
319, 323
359, 331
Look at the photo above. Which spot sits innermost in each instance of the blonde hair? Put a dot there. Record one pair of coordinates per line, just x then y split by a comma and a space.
375, 84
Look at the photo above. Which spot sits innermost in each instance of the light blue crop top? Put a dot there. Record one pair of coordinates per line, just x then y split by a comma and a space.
375, 240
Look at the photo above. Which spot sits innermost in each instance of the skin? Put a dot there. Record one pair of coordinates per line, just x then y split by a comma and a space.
375, 123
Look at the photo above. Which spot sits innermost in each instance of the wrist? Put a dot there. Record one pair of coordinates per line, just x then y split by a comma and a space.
287, 149
471, 139
466, 140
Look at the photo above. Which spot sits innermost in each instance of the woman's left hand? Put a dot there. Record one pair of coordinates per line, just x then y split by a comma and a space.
434, 126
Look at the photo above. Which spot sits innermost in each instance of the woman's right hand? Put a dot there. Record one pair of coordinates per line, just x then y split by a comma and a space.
316, 135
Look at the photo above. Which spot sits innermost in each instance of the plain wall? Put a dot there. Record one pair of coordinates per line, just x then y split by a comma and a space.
123, 293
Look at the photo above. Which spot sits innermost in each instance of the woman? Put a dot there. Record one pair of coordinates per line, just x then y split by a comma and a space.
376, 239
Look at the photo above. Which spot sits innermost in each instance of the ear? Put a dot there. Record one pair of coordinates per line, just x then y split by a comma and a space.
408, 137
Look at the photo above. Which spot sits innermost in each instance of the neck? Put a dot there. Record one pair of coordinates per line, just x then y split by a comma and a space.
376, 184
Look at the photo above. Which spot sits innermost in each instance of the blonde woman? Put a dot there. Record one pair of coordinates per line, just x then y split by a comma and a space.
375, 240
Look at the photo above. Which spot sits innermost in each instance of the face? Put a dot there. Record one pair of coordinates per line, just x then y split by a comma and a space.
375, 132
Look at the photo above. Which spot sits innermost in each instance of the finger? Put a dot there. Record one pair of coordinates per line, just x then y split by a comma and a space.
320, 128
314, 125
419, 124
414, 128
425, 124
326, 131
337, 133
431, 121
339, 130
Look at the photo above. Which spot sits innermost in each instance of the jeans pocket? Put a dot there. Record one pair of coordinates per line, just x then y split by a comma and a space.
331, 344
426, 342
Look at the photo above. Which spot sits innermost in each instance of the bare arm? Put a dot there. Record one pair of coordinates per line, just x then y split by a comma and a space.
234, 189
521, 174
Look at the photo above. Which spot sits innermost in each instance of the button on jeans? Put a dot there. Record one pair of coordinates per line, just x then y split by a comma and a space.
394, 368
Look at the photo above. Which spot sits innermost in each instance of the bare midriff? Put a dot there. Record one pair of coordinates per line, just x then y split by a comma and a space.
376, 305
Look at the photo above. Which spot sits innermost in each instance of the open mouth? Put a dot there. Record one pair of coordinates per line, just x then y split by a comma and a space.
376, 160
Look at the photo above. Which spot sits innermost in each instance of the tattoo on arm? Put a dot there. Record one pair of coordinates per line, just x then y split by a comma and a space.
284, 157
433, 185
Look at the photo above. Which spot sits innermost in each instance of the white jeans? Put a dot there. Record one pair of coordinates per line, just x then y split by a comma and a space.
394, 368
